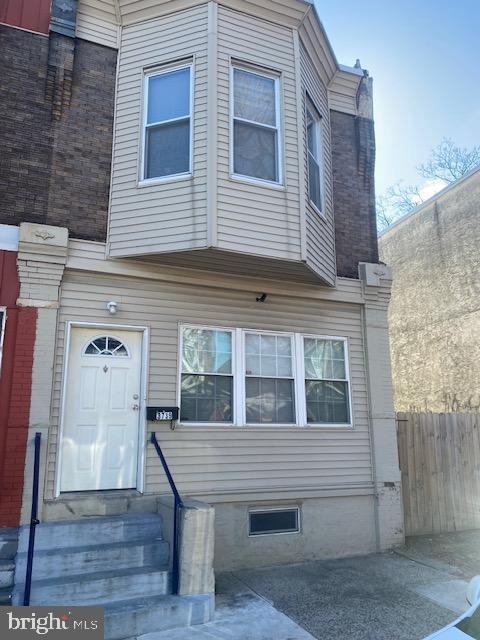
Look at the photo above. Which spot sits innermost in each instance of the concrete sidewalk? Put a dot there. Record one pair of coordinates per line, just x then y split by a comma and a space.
402, 595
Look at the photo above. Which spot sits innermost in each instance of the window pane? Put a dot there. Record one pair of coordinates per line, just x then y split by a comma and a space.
206, 351
327, 402
314, 182
269, 401
206, 398
255, 151
254, 97
324, 358
167, 149
268, 355
168, 96
311, 137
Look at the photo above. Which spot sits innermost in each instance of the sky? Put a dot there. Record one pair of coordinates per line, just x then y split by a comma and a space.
424, 57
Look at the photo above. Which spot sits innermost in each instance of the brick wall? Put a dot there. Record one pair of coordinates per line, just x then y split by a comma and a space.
353, 160
15, 389
56, 119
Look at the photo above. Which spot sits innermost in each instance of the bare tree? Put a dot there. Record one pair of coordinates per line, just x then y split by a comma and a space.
397, 201
449, 162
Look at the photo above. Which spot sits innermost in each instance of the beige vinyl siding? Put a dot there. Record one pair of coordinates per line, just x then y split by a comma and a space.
320, 232
342, 92
85, 255
257, 218
225, 460
169, 215
97, 30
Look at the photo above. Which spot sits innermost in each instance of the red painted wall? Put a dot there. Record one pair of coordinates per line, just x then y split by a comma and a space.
33, 15
15, 390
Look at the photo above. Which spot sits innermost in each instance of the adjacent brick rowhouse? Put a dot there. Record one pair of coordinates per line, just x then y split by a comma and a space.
353, 163
56, 122
15, 388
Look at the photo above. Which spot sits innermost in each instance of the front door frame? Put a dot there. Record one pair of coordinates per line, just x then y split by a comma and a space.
142, 417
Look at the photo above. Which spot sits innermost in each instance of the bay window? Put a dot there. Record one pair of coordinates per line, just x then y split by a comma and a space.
254, 378
167, 123
256, 125
315, 156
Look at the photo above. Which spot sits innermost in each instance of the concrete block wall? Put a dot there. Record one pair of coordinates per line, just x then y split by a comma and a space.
331, 527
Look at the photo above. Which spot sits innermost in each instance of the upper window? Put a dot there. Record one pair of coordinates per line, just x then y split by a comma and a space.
105, 346
256, 125
167, 123
246, 377
314, 151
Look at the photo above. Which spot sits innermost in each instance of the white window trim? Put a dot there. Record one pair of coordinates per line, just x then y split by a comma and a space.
241, 374
321, 159
147, 74
277, 533
190, 423
3, 324
238, 374
278, 118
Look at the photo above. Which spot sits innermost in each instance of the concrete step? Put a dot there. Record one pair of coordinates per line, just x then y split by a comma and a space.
56, 563
101, 529
132, 618
7, 570
96, 588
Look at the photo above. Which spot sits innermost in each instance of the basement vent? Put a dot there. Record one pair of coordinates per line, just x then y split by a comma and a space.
270, 521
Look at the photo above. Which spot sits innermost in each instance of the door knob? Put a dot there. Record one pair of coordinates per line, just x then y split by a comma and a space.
135, 407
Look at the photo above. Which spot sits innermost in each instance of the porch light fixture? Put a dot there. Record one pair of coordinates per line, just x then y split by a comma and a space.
112, 307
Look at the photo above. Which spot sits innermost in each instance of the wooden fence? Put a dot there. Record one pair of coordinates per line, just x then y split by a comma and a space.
440, 464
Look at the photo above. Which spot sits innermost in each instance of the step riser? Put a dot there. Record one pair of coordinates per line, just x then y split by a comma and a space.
8, 549
100, 591
61, 535
71, 562
6, 578
184, 612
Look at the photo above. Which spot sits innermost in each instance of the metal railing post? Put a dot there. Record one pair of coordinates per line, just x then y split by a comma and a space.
33, 520
177, 504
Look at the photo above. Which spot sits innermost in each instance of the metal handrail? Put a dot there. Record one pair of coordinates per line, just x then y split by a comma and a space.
178, 503
33, 520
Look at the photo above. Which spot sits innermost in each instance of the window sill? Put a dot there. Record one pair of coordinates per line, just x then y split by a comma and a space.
266, 427
257, 182
151, 182
316, 210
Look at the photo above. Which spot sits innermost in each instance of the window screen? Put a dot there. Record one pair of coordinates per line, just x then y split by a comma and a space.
273, 521
255, 125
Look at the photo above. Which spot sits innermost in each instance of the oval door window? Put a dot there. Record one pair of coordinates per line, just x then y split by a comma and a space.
106, 346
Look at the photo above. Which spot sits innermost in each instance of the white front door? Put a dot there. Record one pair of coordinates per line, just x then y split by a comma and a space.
101, 410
